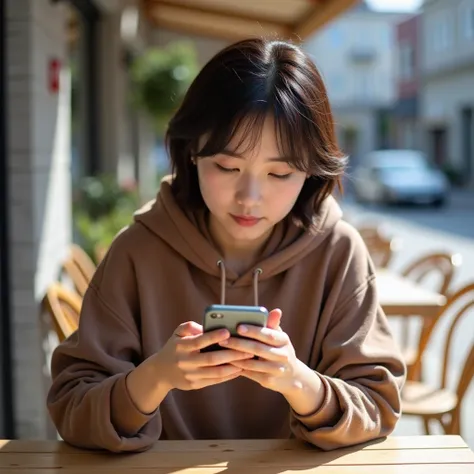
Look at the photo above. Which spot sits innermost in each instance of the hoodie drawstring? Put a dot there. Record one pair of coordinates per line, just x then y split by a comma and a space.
220, 264
256, 273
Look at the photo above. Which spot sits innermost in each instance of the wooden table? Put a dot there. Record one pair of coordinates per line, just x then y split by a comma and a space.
404, 454
401, 297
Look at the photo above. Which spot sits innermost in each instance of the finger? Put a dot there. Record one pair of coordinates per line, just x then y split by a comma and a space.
262, 379
208, 382
214, 358
274, 319
213, 372
272, 337
256, 348
262, 366
189, 328
206, 339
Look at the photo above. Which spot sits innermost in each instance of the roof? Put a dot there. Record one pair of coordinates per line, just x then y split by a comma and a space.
238, 19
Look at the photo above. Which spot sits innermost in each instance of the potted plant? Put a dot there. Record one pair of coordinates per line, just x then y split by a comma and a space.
160, 78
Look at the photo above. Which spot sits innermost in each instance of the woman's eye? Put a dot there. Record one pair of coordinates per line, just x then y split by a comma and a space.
281, 176
225, 170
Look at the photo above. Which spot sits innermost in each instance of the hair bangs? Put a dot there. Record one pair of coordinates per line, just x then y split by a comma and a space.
300, 137
240, 134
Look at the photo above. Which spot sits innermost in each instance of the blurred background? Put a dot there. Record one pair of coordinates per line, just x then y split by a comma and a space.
86, 90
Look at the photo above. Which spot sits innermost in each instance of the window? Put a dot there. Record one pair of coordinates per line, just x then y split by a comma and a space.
406, 61
466, 20
364, 83
441, 32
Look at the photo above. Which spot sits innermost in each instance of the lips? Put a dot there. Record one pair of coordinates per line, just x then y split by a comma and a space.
246, 221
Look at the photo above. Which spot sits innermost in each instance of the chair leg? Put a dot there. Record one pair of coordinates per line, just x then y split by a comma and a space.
426, 425
454, 427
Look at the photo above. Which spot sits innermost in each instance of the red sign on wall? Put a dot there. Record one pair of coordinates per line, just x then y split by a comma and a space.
54, 70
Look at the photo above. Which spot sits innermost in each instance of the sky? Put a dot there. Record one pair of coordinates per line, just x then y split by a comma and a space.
395, 5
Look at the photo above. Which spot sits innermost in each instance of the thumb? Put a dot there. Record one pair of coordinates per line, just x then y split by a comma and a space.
274, 318
190, 328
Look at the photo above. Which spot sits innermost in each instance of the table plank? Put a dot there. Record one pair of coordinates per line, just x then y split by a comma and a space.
392, 442
242, 460
400, 296
374, 469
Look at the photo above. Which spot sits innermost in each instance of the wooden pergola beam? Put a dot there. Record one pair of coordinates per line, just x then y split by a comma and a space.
227, 24
207, 23
325, 12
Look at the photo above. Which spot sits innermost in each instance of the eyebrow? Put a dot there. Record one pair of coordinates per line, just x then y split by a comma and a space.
277, 159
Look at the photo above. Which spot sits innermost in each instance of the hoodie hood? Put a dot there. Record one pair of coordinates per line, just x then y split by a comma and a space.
188, 235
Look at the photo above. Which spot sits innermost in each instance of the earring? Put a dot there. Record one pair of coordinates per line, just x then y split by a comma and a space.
193, 161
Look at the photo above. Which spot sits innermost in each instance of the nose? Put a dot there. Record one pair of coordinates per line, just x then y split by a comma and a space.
249, 191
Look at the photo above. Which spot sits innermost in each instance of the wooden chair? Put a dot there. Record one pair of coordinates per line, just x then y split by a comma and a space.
80, 268
83, 261
100, 252
381, 248
443, 404
64, 308
440, 265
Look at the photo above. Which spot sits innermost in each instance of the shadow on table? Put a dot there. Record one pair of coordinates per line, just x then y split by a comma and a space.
211, 457
220, 457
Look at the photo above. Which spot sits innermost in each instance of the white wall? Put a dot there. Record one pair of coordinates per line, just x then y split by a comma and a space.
448, 69
331, 50
447, 40
40, 197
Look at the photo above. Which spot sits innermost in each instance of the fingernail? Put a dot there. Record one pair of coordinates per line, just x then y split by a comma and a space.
243, 329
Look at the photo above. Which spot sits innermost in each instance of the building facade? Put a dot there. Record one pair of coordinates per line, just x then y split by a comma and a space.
406, 109
360, 74
447, 95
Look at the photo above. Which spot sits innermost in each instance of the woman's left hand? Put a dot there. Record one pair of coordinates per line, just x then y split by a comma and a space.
277, 367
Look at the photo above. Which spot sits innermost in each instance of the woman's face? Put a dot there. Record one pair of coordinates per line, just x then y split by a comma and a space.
248, 194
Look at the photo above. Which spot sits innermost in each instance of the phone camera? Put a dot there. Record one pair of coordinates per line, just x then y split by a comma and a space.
216, 316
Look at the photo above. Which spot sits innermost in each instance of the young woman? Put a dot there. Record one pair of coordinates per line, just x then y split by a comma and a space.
247, 218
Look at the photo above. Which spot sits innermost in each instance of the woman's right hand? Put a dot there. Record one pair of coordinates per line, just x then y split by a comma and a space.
186, 368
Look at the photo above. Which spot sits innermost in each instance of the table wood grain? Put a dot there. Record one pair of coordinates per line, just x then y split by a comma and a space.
400, 296
393, 455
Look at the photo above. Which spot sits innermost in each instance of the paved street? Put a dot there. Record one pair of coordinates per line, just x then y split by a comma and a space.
457, 217
423, 231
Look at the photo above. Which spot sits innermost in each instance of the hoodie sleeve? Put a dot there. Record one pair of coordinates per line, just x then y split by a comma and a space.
361, 370
88, 400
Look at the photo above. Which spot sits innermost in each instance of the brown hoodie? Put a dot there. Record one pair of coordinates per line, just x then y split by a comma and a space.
162, 271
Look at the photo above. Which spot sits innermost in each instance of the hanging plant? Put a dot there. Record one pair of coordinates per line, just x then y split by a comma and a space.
160, 78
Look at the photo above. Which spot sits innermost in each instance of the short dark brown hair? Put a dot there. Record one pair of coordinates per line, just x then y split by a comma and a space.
239, 87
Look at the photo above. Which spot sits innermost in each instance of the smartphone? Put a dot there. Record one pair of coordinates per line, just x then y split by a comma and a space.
230, 317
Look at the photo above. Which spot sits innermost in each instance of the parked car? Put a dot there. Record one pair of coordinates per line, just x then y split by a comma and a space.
400, 176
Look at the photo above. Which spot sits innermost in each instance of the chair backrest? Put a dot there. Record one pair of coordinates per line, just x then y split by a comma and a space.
99, 252
80, 268
465, 299
83, 261
443, 264
381, 248
64, 307
465, 295
78, 279
439, 264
